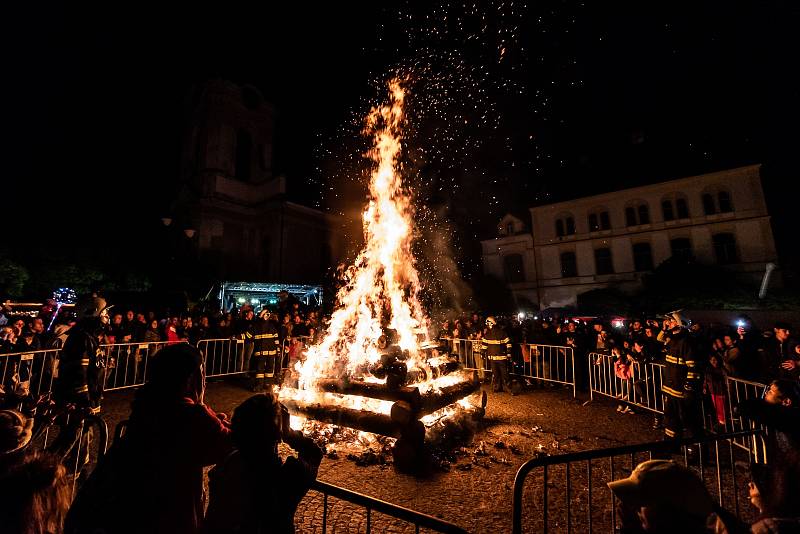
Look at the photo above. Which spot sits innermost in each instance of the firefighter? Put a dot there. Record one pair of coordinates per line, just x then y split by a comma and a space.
244, 329
81, 377
682, 382
498, 349
265, 340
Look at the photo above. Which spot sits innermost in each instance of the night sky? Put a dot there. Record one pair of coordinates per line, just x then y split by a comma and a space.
511, 104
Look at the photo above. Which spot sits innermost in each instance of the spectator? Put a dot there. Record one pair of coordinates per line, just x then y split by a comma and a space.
664, 497
151, 480
779, 359
152, 334
253, 490
623, 369
779, 410
34, 496
715, 390
8, 339
299, 328
171, 330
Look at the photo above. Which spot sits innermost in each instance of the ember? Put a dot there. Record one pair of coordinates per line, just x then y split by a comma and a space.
375, 370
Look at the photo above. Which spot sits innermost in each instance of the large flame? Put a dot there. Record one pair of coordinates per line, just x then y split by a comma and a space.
382, 285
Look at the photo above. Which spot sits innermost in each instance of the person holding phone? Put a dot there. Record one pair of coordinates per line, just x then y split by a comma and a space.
253, 489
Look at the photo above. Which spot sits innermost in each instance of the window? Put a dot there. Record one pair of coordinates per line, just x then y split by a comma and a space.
602, 261
708, 204
510, 229
599, 220
565, 225
637, 214
644, 214
666, 208
594, 225
569, 266
681, 248
513, 268
570, 226
642, 257
244, 155
630, 217
725, 248
724, 199
605, 221
682, 208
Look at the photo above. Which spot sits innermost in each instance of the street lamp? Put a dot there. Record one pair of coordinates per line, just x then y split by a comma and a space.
189, 232
166, 220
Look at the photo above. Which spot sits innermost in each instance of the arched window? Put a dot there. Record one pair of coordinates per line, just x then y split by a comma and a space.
514, 268
594, 224
681, 208
599, 220
602, 261
244, 155
569, 265
666, 210
636, 214
642, 257
630, 216
724, 199
565, 225
644, 214
725, 248
708, 204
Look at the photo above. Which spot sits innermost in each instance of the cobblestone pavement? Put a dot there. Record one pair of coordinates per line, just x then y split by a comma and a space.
476, 492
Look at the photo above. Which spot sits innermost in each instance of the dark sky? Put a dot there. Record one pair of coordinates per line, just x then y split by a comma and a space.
585, 98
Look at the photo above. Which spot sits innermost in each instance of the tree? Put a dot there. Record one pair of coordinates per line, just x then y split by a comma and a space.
13, 278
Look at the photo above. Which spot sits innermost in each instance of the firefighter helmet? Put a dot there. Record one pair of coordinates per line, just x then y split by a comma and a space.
93, 307
491, 321
678, 318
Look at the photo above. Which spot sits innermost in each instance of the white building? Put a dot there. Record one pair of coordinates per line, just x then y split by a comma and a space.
614, 238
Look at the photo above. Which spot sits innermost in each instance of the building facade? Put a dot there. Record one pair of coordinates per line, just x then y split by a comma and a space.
613, 239
242, 223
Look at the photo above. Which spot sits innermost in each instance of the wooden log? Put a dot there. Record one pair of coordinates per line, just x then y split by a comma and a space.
408, 394
338, 415
436, 400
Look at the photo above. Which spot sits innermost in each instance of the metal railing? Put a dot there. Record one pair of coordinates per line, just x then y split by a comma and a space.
371, 504
224, 356
739, 390
600, 508
29, 373
545, 363
643, 389
549, 363
126, 363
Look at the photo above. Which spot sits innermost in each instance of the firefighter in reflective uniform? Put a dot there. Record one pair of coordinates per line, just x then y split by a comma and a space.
265, 338
682, 382
497, 346
244, 328
81, 377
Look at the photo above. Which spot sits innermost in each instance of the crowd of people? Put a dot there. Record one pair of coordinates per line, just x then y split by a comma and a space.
152, 478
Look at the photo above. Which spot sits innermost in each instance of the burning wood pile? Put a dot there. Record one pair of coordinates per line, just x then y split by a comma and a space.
375, 370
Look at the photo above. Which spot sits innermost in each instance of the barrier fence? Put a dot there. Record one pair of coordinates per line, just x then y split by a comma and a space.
739, 390
30, 373
643, 389
126, 363
570, 492
544, 363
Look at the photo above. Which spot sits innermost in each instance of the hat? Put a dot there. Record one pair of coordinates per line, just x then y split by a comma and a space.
663, 482
678, 317
783, 325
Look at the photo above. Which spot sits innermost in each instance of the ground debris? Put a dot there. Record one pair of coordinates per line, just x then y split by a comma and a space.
515, 450
332, 455
500, 445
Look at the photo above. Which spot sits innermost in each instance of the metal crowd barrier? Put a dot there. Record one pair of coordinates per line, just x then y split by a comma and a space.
643, 389
549, 363
224, 356
546, 363
126, 363
739, 390
28, 374
371, 504
584, 509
